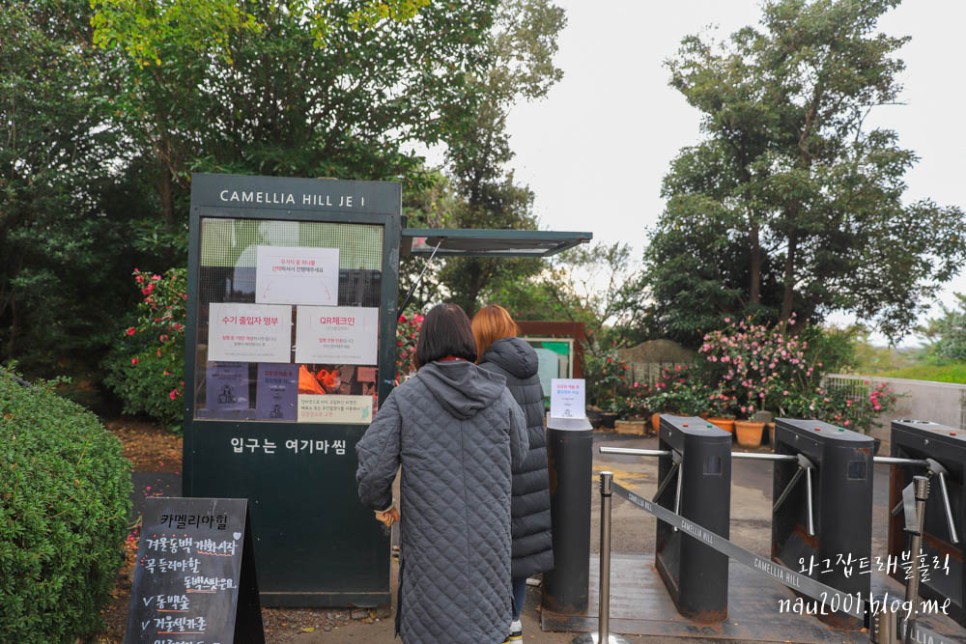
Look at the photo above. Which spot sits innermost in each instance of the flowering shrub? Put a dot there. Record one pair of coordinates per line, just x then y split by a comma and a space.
855, 408
676, 391
147, 372
606, 377
750, 367
407, 332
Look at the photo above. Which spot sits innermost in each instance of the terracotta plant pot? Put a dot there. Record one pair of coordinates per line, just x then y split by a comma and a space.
727, 424
749, 433
656, 423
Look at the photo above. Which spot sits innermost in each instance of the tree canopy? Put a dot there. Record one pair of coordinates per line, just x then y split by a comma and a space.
110, 106
791, 203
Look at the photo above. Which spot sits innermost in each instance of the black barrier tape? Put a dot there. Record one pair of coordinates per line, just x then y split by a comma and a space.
918, 634
846, 603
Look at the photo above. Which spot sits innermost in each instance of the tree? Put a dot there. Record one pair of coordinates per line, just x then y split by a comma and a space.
803, 198
947, 333
288, 87
59, 252
520, 48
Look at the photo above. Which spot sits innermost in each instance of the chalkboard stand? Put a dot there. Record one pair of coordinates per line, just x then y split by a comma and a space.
248, 615
195, 579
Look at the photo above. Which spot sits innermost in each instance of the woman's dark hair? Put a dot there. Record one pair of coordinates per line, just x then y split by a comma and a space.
445, 333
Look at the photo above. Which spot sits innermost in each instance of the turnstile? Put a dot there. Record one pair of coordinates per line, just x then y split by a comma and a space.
942, 451
695, 482
822, 515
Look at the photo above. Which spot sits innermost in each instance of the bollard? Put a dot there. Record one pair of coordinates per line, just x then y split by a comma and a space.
570, 461
823, 505
603, 619
939, 451
696, 575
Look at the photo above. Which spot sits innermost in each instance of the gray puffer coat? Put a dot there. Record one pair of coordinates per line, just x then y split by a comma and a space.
456, 431
516, 360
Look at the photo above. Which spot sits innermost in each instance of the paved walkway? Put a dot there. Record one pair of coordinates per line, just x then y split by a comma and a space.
633, 535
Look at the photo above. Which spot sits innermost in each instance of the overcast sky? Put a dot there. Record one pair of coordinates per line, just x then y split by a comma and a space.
595, 150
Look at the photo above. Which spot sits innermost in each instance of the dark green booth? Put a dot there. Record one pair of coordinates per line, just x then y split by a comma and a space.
290, 348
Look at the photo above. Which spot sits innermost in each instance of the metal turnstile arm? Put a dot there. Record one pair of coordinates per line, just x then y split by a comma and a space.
936, 469
676, 459
805, 467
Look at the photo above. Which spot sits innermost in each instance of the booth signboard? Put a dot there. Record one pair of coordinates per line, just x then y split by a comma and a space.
290, 348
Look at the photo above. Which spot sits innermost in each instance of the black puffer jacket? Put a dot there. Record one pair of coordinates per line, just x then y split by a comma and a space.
516, 361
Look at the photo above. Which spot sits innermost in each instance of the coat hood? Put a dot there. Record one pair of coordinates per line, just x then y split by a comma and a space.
513, 355
460, 387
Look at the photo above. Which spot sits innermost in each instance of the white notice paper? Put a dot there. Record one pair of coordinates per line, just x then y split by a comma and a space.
297, 275
249, 333
567, 398
355, 410
336, 335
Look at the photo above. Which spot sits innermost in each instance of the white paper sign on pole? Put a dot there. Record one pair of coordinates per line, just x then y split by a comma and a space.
297, 275
249, 333
335, 408
336, 335
567, 398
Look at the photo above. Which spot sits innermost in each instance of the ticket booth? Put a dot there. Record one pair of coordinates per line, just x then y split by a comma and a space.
290, 348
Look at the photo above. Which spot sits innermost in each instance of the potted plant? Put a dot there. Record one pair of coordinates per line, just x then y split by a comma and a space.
749, 432
721, 410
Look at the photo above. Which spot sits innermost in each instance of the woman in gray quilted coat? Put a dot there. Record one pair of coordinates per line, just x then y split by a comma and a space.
503, 353
456, 432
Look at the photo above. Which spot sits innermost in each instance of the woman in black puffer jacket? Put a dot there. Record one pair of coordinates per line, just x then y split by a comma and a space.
502, 352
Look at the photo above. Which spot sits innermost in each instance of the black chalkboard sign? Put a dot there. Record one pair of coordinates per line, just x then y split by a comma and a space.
194, 580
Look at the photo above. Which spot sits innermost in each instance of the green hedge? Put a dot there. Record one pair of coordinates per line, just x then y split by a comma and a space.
65, 492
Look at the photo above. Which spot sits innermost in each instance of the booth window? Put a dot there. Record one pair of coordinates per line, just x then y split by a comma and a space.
254, 355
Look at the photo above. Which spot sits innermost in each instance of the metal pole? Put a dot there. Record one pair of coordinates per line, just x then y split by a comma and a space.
883, 628
605, 516
751, 456
895, 460
633, 451
808, 501
921, 488
603, 613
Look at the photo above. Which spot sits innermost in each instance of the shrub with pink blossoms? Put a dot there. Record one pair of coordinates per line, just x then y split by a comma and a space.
146, 371
752, 367
749, 367
407, 332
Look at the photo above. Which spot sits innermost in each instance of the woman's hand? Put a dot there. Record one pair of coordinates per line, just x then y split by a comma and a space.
388, 517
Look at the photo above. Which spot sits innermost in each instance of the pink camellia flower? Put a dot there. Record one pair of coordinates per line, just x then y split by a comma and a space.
131, 331
173, 394
134, 361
